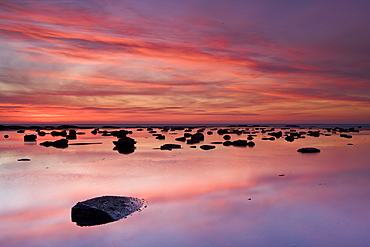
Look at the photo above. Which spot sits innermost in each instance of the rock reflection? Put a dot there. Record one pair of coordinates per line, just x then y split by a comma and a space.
104, 209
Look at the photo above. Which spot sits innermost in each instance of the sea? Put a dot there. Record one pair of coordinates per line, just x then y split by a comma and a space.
265, 194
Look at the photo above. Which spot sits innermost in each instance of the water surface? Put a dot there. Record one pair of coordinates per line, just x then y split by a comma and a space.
228, 196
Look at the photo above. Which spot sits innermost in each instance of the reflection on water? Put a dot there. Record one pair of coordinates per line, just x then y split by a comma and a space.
227, 196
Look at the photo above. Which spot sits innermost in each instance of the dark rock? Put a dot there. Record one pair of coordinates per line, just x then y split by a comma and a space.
120, 133
20, 131
308, 150
125, 145
59, 133
209, 133
250, 138
181, 139
345, 136
216, 142
313, 133
281, 175
6, 136
30, 138
193, 146
186, 135
276, 134
226, 137
170, 146
62, 143
240, 143
41, 133
289, 138
251, 144
207, 147
24, 159
105, 209
227, 143
160, 137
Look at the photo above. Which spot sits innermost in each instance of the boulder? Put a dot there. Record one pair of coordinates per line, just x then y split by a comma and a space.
308, 150
104, 209
30, 138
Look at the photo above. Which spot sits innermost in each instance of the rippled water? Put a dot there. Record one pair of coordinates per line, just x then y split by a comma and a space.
228, 196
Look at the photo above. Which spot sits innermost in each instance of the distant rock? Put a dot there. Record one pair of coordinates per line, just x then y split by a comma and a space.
345, 136
6, 136
207, 147
62, 143
181, 139
160, 137
125, 145
226, 137
105, 209
308, 150
170, 146
24, 159
30, 138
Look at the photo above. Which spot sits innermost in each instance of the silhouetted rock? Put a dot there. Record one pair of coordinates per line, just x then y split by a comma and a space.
160, 137
181, 139
289, 138
41, 133
170, 146
59, 133
240, 143
120, 133
62, 143
105, 209
125, 145
24, 159
226, 137
6, 136
207, 147
227, 143
345, 136
20, 131
308, 150
251, 144
30, 138
276, 134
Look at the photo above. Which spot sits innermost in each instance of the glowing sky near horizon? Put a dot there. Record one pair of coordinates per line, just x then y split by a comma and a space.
193, 61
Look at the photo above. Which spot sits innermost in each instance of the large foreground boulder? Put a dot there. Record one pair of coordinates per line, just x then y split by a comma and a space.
104, 209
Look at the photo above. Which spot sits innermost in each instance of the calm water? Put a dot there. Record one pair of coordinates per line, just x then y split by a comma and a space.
228, 196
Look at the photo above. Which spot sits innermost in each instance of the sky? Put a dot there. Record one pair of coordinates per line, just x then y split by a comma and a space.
185, 61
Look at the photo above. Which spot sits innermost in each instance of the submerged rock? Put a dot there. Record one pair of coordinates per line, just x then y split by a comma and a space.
104, 209
308, 150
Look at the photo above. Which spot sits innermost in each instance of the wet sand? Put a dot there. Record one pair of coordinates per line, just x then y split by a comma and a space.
263, 195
